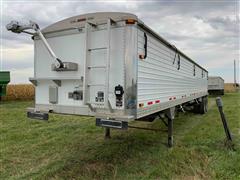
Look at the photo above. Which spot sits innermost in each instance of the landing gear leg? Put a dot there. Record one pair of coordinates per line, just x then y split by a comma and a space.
170, 132
170, 114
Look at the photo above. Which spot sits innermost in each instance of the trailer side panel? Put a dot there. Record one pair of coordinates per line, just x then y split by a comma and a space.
164, 82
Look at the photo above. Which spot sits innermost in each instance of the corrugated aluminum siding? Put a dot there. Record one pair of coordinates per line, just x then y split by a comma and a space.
215, 83
160, 79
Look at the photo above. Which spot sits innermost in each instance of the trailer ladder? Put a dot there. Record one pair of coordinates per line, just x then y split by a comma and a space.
87, 67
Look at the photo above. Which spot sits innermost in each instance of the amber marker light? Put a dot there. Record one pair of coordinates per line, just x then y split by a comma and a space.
130, 21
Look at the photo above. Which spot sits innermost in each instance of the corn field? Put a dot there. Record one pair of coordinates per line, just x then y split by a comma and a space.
230, 87
20, 92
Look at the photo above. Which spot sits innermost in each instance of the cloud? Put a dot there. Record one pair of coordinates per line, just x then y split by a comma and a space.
18, 57
207, 31
19, 76
225, 24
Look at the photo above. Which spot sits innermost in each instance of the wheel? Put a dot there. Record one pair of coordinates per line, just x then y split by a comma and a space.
206, 104
202, 107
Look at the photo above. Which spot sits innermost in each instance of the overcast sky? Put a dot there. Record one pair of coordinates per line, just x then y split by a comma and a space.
207, 31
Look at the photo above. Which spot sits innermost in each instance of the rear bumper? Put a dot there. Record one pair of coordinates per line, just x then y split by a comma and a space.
109, 123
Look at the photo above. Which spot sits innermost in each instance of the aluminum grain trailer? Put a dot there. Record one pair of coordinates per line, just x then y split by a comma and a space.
215, 85
112, 66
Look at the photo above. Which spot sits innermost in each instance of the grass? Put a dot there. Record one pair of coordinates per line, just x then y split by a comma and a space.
72, 147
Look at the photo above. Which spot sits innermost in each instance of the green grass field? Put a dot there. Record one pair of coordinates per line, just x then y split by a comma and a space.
72, 147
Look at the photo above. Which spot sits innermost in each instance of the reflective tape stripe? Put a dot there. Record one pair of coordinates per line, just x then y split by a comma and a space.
157, 101
150, 103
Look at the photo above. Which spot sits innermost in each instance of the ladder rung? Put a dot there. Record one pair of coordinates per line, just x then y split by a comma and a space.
99, 103
100, 48
89, 67
96, 84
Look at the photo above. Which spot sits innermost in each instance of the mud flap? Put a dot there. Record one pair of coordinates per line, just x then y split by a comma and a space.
37, 115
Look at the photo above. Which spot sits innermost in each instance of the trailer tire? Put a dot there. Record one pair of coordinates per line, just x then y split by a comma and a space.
204, 105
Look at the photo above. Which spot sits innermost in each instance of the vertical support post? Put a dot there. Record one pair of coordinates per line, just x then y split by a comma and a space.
224, 121
107, 133
85, 64
234, 69
170, 132
107, 63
